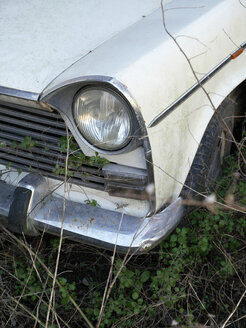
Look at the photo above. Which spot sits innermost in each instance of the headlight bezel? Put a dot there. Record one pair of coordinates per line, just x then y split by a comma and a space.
133, 141
59, 96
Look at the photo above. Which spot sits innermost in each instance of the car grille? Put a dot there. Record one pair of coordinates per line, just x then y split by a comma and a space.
32, 140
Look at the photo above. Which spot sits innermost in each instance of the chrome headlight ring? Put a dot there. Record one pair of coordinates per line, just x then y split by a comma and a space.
103, 118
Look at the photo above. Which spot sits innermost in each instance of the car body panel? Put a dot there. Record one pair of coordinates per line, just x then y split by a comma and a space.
156, 73
39, 39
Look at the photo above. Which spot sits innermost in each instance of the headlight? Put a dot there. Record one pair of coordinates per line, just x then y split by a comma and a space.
103, 118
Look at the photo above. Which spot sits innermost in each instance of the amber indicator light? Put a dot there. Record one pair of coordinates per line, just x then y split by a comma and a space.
237, 53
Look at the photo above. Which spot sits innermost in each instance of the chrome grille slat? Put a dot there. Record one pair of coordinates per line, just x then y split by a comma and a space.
30, 159
33, 134
27, 162
31, 164
53, 158
52, 175
34, 126
6, 137
32, 110
30, 155
8, 112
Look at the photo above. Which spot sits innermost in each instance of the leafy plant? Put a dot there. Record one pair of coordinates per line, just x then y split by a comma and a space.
76, 158
92, 202
27, 143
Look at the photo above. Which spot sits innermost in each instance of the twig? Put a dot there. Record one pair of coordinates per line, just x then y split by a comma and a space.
29, 312
203, 306
51, 275
52, 294
197, 79
235, 309
105, 295
240, 1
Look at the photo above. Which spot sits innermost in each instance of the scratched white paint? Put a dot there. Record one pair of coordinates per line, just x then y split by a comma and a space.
148, 62
39, 39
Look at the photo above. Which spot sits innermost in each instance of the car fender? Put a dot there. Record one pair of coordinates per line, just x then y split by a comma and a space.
156, 73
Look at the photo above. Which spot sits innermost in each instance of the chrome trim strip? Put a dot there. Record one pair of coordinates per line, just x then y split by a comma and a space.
122, 90
20, 97
194, 88
81, 79
243, 45
27, 95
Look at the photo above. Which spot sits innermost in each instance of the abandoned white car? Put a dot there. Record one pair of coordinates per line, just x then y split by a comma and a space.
110, 110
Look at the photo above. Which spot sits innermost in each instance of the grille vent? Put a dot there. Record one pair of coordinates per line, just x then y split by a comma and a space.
31, 140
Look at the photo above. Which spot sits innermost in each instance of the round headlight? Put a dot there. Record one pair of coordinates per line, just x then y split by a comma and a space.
103, 118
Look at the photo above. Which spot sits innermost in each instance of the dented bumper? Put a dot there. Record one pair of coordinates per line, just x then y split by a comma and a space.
30, 208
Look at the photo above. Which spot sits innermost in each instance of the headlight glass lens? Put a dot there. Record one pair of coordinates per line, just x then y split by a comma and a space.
103, 118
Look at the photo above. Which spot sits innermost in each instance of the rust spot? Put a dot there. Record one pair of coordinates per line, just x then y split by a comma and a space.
75, 220
91, 220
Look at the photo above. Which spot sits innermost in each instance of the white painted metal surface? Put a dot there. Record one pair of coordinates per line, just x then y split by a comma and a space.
148, 62
39, 39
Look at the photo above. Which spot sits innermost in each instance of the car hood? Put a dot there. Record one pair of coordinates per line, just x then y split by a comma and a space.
40, 39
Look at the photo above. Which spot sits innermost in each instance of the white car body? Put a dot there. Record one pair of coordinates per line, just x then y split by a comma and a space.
47, 46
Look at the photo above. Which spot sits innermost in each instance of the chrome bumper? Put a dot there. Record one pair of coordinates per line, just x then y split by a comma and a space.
31, 208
